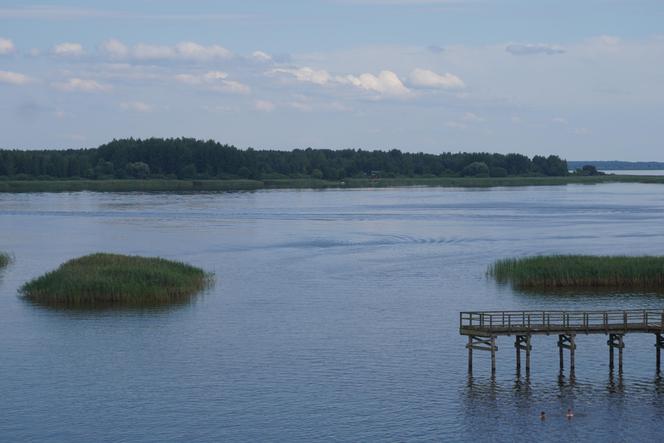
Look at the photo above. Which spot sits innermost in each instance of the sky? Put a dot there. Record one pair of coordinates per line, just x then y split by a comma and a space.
582, 79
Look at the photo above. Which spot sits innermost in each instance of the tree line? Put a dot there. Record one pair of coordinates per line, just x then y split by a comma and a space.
188, 158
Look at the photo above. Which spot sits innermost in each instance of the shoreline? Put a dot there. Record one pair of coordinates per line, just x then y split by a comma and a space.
170, 185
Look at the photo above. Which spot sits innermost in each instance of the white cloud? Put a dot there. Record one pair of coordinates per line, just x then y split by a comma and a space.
189, 51
455, 125
235, 87
534, 49
82, 85
264, 105
261, 56
608, 40
6, 46
404, 2
136, 106
215, 80
143, 51
425, 78
472, 118
114, 48
386, 82
306, 74
68, 49
14, 78
194, 51
215, 75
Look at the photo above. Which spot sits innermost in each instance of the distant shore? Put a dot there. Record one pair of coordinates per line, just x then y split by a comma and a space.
160, 185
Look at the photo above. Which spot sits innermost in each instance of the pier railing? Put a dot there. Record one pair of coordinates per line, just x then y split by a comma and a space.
508, 322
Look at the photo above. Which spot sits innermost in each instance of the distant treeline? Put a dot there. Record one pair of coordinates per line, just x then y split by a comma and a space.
613, 165
187, 158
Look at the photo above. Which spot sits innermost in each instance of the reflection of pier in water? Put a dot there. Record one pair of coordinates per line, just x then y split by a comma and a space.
484, 327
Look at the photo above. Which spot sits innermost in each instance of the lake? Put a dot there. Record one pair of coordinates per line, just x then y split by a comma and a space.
334, 316
658, 172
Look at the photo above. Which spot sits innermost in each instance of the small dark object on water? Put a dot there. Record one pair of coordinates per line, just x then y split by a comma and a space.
569, 414
542, 416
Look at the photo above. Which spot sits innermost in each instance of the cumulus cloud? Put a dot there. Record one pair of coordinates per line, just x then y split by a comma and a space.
143, 51
13, 78
309, 75
534, 49
68, 49
6, 46
472, 117
385, 83
136, 106
189, 51
261, 56
194, 51
425, 78
82, 85
215, 80
264, 105
114, 48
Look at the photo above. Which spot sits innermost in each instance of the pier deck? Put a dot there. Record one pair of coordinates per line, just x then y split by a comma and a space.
483, 327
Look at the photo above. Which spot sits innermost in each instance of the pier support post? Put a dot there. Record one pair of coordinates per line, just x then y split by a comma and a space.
528, 348
522, 342
493, 355
572, 347
470, 354
560, 353
616, 341
659, 345
480, 343
566, 341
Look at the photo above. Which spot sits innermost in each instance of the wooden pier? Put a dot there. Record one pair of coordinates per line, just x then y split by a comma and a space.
484, 327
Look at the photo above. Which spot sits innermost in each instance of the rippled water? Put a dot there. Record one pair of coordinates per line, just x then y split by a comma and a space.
334, 317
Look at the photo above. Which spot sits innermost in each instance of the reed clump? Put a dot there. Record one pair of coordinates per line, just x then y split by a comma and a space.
5, 259
113, 279
581, 271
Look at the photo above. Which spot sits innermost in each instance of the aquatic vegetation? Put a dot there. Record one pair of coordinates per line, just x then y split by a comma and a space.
581, 271
187, 186
103, 279
4, 259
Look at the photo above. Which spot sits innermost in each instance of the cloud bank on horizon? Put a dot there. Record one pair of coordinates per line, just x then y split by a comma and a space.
418, 75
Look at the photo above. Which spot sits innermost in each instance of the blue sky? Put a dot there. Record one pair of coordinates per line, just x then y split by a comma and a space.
583, 79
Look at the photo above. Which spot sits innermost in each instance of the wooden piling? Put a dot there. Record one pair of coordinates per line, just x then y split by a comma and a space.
470, 354
560, 353
528, 354
620, 353
572, 347
493, 355
659, 344
610, 356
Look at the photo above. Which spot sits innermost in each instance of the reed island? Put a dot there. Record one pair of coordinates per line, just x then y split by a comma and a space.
581, 271
111, 279
4, 259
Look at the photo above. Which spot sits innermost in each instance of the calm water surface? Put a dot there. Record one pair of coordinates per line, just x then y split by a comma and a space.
334, 317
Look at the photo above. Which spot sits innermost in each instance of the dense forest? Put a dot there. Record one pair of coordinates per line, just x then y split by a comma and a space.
187, 158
